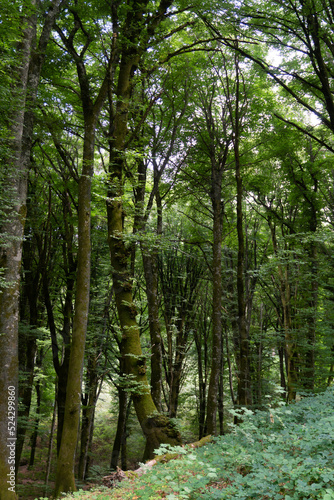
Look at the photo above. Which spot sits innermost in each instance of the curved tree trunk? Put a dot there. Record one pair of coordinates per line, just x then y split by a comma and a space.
156, 428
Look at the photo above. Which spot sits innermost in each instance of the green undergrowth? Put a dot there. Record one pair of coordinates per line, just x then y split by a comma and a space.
283, 453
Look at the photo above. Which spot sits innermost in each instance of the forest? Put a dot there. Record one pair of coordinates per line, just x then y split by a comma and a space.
166, 227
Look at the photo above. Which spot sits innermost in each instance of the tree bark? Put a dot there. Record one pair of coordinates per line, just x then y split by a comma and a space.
244, 389
150, 265
66, 460
156, 428
121, 424
212, 399
88, 413
65, 466
33, 440
28, 75
290, 343
244, 386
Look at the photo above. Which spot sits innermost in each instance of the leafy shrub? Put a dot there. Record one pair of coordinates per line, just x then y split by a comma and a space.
284, 453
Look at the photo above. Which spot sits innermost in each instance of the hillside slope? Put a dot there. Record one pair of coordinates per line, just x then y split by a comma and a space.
283, 453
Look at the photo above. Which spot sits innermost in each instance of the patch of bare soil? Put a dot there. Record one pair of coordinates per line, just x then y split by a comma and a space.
31, 482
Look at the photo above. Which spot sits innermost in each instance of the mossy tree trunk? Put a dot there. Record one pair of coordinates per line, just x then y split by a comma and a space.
137, 28
65, 480
66, 459
156, 428
27, 77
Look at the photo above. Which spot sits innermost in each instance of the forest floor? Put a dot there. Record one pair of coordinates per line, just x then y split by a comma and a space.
31, 482
283, 453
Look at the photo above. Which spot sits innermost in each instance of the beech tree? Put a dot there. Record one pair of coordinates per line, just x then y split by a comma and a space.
91, 107
138, 27
31, 53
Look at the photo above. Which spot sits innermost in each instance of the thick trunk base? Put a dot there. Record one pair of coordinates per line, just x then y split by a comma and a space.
159, 429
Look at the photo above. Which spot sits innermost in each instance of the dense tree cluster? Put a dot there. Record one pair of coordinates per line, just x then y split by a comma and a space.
166, 214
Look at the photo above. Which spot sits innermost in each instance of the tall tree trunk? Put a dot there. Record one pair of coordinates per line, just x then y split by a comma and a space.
216, 193
91, 110
33, 440
10, 262
121, 423
156, 427
65, 466
244, 386
150, 265
88, 413
244, 389
290, 343
29, 65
